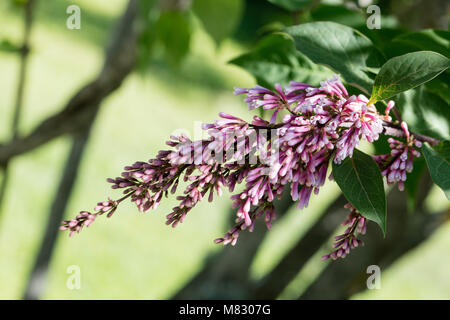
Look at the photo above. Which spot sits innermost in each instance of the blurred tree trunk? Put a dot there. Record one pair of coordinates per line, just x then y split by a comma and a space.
119, 62
21, 82
37, 279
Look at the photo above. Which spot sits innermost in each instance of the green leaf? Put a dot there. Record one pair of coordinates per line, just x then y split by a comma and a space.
425, 113
275, 60
292, 5
173, 30
360, 180
438, 162
219, 17
406, 72
341, 48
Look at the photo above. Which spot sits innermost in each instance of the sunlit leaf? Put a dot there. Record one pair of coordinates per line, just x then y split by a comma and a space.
275, 60
406, 72
341, 48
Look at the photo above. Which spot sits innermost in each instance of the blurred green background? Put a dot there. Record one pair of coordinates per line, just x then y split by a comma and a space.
133, 255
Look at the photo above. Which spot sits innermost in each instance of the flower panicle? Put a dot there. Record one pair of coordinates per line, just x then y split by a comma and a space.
321, 124
395, 165
85, 218
356, 224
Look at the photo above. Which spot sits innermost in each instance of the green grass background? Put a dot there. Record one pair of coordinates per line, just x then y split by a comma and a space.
133, 255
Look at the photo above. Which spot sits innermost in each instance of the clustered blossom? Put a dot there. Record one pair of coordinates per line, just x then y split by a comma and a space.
395, 165
318, 125
85, 219
362, 121
265, 98
348, 240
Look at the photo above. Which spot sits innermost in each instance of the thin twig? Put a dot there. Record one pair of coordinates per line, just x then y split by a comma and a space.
391, 129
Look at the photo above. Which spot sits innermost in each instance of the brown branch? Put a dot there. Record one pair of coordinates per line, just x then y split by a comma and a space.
394, 130
119, 62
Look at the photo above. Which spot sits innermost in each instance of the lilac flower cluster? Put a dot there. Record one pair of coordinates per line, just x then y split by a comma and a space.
317, 124
85, 219
395, 165
319, 120
348, 240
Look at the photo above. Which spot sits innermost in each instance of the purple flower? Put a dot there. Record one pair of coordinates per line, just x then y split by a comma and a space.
361, 121
399, 162
85, 218
318, 122
348, 240
267, 156
265, 98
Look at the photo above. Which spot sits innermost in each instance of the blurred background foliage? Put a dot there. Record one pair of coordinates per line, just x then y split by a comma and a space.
190, 55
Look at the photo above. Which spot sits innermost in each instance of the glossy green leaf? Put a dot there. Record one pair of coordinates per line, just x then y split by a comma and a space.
219, 17
275, 60
360, 180
341, 48
438, 162
406, 72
